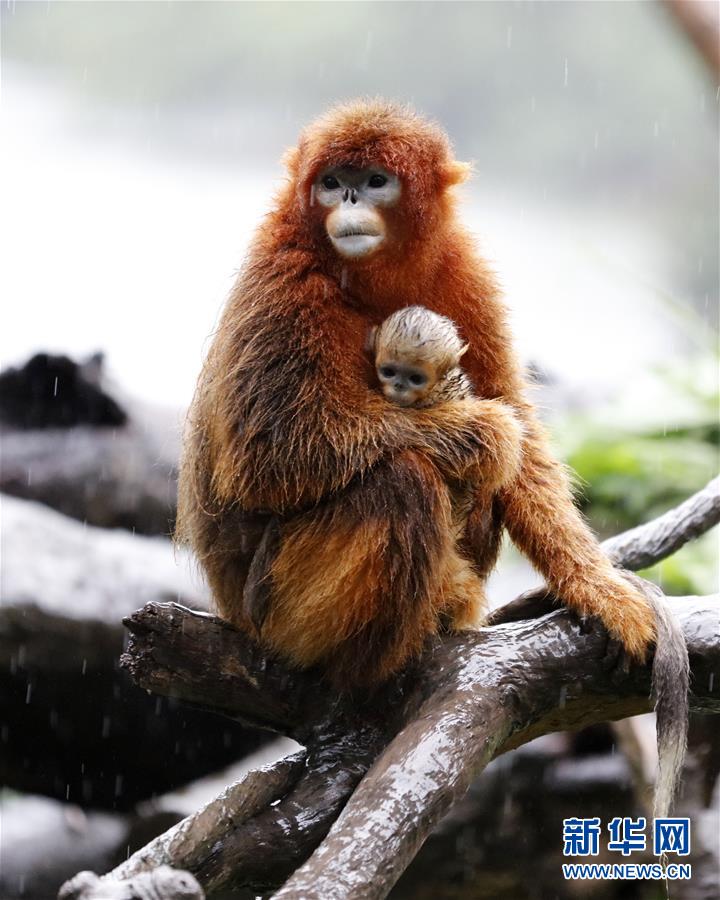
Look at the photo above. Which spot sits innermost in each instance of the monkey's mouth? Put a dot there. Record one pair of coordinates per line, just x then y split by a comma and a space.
355, 231
353, 241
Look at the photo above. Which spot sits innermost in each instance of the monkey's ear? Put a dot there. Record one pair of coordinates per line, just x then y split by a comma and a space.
463, 350
456, 172
370, 339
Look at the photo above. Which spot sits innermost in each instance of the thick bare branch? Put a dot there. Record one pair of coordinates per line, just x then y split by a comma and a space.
425, 735
504, 687
191, 841
473, 696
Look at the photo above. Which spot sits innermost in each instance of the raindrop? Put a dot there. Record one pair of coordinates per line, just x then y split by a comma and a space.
563, 697
106, 726
711, 681
55, 386
28, 693
565, 77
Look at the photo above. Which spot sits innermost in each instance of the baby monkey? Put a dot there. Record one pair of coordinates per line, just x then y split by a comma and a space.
417, 358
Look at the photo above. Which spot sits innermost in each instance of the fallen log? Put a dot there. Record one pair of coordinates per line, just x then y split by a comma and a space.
71, 718
69, 444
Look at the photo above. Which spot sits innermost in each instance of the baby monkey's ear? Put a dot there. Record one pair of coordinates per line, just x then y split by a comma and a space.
370, 339
463, 350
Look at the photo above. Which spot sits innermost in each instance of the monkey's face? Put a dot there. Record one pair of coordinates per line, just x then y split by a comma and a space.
355, 200
404, 383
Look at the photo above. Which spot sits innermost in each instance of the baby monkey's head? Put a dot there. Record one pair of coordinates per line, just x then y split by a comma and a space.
414, 349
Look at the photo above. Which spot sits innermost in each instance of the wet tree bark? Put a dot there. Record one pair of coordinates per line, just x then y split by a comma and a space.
380, 771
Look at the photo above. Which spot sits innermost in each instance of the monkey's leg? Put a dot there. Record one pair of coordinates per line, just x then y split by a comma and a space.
357, 582
227, 544
258, 585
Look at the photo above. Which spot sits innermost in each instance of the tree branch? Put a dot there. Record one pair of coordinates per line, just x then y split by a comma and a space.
648, 544
395, 761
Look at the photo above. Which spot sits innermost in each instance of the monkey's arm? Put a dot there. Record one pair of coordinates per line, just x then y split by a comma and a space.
291, 417
541, 517
543, 521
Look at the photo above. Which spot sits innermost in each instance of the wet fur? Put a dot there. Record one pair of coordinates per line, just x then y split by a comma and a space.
367, 566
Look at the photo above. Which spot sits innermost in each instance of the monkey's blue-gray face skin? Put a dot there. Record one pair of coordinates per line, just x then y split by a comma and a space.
403, 384
355, 198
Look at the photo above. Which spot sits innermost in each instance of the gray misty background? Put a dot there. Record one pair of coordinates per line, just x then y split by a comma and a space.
141, 144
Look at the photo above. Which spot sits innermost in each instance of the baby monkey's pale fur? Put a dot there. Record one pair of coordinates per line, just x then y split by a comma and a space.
417, 358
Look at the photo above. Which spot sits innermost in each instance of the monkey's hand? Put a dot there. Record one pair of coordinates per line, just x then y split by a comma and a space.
621, 605
472, 440
621, 601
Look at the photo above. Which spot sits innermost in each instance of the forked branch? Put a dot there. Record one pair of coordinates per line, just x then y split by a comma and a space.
379, 772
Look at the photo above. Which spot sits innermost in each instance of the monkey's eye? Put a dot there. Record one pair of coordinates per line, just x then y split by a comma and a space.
417, 379
387, 372
377, 181
330, 182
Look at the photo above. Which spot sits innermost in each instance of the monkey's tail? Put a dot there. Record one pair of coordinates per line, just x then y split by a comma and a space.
670, 686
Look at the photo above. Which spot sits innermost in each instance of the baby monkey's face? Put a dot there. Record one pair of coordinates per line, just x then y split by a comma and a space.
403, 382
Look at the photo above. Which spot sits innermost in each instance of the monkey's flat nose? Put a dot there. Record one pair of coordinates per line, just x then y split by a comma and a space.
399, 386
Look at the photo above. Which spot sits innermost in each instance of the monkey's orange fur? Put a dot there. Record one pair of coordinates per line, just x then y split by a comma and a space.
288, 419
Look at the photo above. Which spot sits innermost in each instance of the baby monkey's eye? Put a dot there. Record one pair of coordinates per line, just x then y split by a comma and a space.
377, 181
417, 379
330, 182
387, 372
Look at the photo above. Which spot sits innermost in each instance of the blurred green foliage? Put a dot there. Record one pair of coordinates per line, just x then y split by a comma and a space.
633, 468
